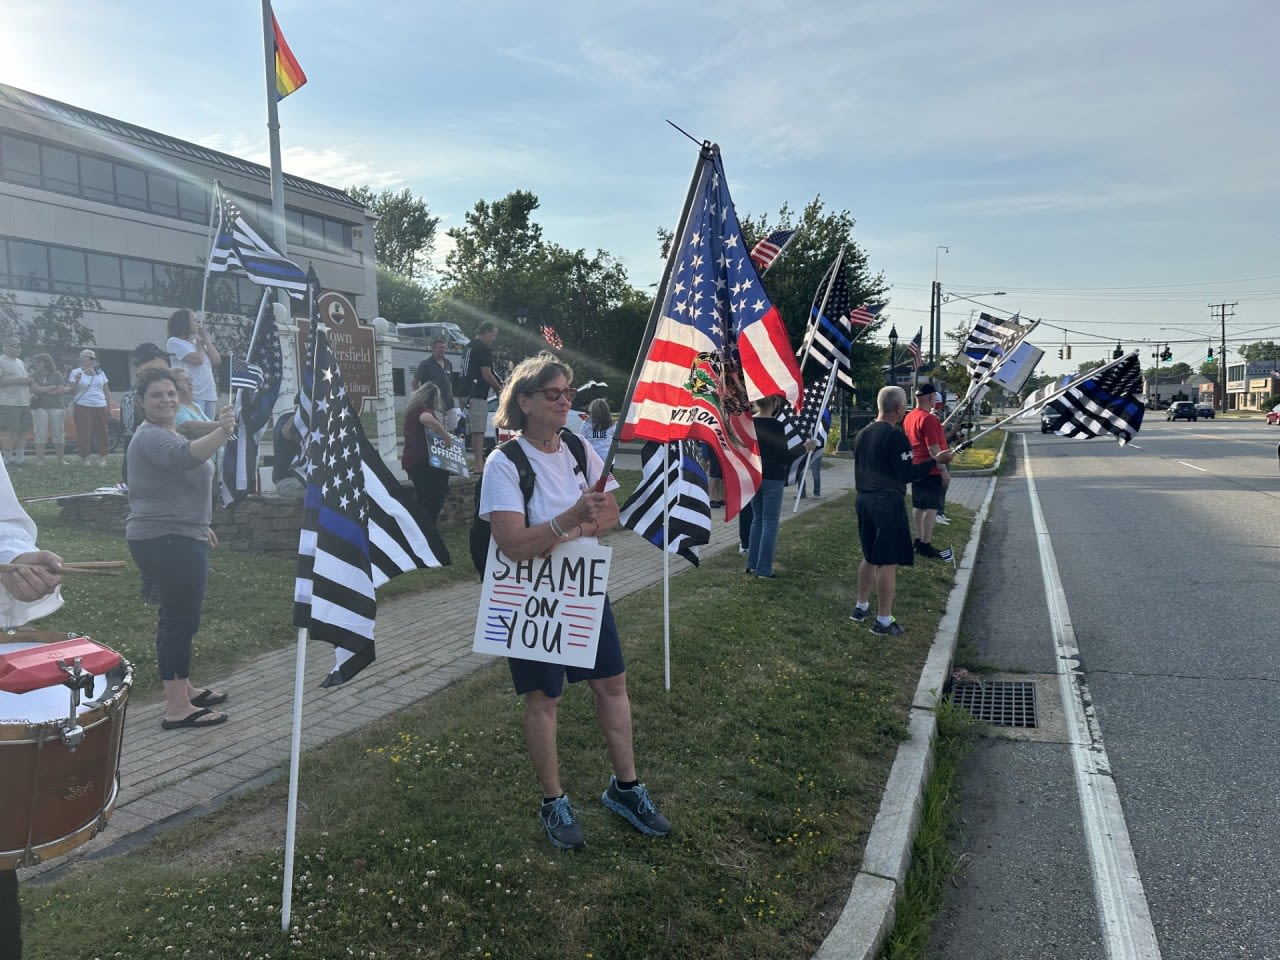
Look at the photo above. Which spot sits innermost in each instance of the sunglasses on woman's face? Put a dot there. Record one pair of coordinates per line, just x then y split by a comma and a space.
554, 394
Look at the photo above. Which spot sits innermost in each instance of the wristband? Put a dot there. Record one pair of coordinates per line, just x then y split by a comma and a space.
555, 528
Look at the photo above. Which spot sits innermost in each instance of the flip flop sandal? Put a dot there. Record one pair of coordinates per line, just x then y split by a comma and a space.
195, 720
208, 698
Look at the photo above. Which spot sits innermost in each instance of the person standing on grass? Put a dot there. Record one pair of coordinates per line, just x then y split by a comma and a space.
766, 505
90, 411
882, 468
15, 403
168, 532
564, 506
927, 438
48, 387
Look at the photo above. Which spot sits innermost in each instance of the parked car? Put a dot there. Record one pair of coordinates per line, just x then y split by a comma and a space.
1204, 411
1181, 410
1273, 415
1050, 420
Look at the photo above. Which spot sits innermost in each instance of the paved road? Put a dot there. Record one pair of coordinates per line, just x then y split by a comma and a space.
1167, 554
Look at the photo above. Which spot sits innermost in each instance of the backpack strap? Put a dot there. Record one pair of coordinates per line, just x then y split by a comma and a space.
512, 450
577, 448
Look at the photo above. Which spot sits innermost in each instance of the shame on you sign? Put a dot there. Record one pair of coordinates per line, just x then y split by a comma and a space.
547, 608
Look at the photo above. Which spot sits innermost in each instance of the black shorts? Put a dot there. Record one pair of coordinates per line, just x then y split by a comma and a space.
884, 531
529, 675
927, 494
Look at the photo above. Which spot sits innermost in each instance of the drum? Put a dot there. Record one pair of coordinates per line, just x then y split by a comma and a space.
58, 764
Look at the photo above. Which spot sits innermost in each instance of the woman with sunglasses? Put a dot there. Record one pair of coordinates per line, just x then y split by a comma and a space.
565, 506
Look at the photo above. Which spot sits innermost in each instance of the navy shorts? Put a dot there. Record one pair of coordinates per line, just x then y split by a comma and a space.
884, 531
927, 494
529, 675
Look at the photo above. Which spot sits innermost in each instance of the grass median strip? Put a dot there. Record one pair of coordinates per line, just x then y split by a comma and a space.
419, 836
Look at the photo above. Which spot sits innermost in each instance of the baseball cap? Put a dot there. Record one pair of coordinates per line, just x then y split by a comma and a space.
924, 388
12, 342
148, 351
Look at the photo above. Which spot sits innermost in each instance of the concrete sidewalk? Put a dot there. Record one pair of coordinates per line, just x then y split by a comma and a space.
423, 645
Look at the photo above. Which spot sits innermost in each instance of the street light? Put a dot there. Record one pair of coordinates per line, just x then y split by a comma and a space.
948, 297
893, 353
522, 315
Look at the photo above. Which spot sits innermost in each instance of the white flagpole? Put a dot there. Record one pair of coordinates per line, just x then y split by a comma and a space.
215, 222
273, 132
1041, 404
812, 329
295, 761
808, 454
666, 567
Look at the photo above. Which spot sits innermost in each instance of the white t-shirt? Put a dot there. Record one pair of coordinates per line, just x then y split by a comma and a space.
88, 389
598, 443
203, 386
558, 484
14, 396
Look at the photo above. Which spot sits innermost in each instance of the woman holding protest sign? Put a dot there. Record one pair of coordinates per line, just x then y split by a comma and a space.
564, 505
423, 418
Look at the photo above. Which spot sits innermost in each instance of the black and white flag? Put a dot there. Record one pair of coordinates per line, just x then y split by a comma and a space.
690, 506
1104, 401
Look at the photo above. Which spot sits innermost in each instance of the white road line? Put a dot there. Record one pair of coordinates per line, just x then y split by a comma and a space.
1127, 931
1192, 466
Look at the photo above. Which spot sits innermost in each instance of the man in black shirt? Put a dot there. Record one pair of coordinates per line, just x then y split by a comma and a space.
438, 370
882, 468
478, 379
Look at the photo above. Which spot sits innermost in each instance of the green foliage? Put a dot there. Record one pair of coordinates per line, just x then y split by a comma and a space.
405, 233
1210, 369
402, 299
55, 325
794, 278
1261, 350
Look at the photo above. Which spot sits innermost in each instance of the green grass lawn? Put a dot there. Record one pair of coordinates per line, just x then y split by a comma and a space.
419, 836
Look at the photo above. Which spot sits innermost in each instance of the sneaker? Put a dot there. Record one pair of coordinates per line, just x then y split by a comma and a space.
892, 629
742, 549
859, 614
943, 520
563, 829
636, 808
928, 550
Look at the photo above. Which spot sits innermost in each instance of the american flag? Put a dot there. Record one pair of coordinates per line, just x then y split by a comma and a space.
770, 248
238, 245
686, 492
914, 348
718, 342
240, 456
1104, 401
553, 339
246, 375
359, 528
832, 333
865, 313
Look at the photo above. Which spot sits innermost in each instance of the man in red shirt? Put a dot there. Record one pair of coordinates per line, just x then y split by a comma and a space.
924, 431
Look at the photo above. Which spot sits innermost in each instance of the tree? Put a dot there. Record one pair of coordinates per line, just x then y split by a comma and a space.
1262, 350
402, 299
54, 325
1209, 369
405, 234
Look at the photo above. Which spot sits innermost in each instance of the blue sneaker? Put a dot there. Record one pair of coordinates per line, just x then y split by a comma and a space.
563, 829
636, 808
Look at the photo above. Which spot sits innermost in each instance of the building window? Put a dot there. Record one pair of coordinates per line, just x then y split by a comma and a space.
193, 202
20, 160
28, 266
67, 269
162, 192
104, 277
97, 180
139, 281
61, 171
131, 187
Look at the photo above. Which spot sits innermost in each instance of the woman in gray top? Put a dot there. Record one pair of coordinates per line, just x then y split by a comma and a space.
170, 506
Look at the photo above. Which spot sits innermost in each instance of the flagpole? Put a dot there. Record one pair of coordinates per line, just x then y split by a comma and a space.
707, 152
808, 455
1041, 405
295, 762
812, 329
666, 562
273, 131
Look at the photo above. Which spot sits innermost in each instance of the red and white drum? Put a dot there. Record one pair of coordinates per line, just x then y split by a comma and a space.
59, 762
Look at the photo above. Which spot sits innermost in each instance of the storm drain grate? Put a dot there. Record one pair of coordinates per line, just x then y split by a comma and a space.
1001, 703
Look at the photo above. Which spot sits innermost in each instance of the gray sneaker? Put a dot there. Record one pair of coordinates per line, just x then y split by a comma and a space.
636, 808
892, 629
859, 614
563, 829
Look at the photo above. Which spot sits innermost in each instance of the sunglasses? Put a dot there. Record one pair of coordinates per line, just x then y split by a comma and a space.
554, 394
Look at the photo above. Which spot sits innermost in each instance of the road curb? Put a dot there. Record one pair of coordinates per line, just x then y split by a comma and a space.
869, 913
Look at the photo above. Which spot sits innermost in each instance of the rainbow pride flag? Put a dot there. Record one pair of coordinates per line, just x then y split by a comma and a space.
289, 75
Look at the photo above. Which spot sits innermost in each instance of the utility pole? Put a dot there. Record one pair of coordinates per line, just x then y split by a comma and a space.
1221, 309
935, 322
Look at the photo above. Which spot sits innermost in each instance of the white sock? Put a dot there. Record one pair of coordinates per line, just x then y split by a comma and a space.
884, 621
865, 605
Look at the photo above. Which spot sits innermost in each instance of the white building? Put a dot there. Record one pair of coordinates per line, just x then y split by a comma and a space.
98, 207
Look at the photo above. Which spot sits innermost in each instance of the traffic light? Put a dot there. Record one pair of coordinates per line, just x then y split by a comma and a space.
1209, 358
1060, 349
1118, 352
1167, 355
1068, 352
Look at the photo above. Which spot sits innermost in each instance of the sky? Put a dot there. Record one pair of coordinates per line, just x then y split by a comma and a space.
1111, 165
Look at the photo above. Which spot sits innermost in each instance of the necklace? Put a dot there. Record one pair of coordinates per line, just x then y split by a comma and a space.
546, 444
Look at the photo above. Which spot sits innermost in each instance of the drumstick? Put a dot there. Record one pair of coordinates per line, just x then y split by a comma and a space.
87, 567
